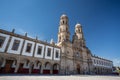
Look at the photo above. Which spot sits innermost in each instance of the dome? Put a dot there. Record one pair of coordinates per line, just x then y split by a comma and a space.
64, 16
78, 25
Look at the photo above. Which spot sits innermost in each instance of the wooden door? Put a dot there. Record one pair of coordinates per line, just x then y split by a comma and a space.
8, 66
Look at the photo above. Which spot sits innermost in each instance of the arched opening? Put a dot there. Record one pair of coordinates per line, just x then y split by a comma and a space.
56, 68
78, 69
47, 68
95, 69
10, 64
1, 62
63, 22
24, 67
36, 67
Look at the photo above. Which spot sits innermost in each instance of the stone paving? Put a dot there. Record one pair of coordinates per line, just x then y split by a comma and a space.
52, 77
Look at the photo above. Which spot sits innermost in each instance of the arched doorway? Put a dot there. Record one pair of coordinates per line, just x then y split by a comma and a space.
47, 68
36, 68
95, 70
1, 62
24, 67
78, 69
9, 68
56, 68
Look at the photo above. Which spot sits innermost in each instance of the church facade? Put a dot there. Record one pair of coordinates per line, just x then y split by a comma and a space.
22, 54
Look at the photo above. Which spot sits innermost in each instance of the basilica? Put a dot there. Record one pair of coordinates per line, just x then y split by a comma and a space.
20, 54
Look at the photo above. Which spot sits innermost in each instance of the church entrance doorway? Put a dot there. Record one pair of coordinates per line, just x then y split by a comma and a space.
78, 68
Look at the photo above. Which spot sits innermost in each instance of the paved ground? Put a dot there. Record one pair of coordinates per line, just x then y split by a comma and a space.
45, 77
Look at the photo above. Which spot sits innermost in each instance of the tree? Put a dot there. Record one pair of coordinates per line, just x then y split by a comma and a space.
118, 70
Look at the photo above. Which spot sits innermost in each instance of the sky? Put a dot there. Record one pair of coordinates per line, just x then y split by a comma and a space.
100, 20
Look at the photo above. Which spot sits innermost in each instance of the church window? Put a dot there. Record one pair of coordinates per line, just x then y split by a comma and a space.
79, 30
15, 45
28, 49
63, 22
49, 52
2, 39
39, 50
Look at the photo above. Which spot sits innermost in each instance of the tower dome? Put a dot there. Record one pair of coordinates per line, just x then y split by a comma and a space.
64, 34
78, 25
63, 16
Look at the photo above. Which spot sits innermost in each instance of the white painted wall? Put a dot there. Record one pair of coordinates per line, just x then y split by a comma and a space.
2, 49
11, 45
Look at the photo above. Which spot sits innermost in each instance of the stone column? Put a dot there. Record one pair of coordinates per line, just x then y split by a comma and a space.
30, 67
42, 67
17, 67
4, 62
51, 70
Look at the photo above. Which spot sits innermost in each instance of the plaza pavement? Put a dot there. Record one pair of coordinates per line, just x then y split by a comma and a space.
58, 77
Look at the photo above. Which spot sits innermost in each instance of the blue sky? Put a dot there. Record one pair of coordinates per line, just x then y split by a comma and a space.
100, 20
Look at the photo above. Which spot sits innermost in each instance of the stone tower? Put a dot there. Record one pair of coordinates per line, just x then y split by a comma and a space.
75, 55
66, 46
63, 34
82, 54
78, 36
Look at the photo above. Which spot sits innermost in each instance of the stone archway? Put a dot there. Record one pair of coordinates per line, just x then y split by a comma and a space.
24, 66
55, 68
10, 64
36, 67
47, 68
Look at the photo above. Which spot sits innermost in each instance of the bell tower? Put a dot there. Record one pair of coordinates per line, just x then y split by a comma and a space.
66, 46
63, 34
78, 36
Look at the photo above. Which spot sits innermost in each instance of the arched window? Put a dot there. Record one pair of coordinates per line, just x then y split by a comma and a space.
63, 22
